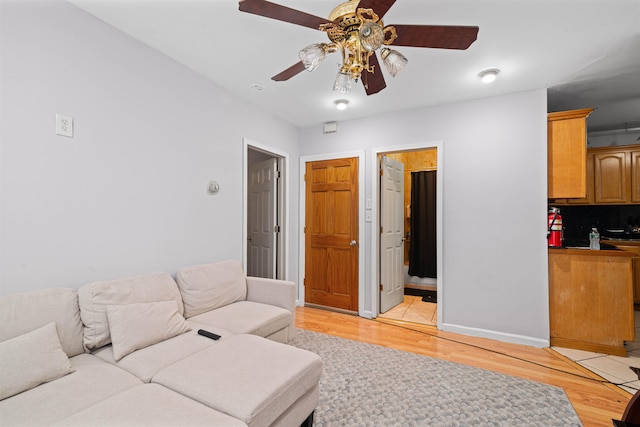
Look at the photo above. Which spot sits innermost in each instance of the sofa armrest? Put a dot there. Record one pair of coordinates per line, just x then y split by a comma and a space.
280, 293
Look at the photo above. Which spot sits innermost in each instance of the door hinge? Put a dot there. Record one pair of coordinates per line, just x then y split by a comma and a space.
276, 228
381, 287
278, 174
381, 229
381, 172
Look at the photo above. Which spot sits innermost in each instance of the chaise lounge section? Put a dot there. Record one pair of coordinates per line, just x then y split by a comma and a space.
128, 352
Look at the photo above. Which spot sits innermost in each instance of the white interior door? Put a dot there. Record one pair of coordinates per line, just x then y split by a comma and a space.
262, 219
392, 233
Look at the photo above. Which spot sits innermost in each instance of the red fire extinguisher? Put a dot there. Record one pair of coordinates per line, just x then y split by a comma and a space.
554, 230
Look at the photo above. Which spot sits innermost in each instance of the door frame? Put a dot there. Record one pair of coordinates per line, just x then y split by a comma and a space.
282, 202
360, 154
375, 236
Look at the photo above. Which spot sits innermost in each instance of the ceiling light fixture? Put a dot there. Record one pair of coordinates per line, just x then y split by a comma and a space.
341, 104
488, 75
357, 33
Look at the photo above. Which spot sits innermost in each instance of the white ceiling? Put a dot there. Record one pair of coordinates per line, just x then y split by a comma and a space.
587, 53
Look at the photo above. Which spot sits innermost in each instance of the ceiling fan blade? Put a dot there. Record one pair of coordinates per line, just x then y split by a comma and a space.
289, 72
436, 36
379, 6
373, 82
282, 13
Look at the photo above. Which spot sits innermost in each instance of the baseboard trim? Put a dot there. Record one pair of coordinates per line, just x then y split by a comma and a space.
499, 336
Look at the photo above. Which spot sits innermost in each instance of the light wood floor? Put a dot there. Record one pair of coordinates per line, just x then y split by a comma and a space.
594, 402
413, 309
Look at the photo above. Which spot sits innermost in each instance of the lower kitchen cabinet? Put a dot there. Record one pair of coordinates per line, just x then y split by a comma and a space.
635, 248
591, 299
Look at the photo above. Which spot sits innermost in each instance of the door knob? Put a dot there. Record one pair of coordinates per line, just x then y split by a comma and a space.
353, 243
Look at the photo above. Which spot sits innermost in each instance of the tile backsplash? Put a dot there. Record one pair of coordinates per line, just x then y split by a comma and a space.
578, 220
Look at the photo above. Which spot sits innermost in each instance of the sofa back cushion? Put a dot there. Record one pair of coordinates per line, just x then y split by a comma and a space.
95, 297
208, 286
28, 311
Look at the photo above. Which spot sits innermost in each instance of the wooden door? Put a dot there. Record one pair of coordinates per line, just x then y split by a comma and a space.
262, 219
331, 233
391, 233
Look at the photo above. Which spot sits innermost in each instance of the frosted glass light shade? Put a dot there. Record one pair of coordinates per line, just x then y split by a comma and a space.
393, 61
311, 56
342, 83
371, 36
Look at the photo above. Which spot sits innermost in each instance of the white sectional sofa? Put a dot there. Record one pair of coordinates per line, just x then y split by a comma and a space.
127, 352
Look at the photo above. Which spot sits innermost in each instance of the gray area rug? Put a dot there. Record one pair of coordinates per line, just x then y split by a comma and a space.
369, 385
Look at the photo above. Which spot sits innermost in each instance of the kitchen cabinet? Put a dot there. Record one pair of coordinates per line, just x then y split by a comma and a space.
591, 299
567, 154
635, 175
635, 248
613, 177
589, 199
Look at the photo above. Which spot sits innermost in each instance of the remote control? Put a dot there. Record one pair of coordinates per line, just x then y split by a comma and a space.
208, 334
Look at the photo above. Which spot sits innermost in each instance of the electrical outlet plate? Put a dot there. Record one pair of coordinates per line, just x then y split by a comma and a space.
64, 125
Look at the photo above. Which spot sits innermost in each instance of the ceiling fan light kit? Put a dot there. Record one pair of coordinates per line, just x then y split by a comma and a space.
357, 31
393, 60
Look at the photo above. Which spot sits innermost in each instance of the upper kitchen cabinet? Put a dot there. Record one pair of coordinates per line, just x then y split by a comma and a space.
616, 176
613, 177
567, 154
635, 175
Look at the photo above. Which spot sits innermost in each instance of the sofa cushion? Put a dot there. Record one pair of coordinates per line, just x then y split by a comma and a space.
139, 325
95, 297
24, 312
248, 377
209, 286
146, 362
149, 405
247, 317
93, 381
32, 359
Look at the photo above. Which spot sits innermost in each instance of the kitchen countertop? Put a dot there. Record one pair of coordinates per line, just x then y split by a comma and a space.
589, 252
621, 242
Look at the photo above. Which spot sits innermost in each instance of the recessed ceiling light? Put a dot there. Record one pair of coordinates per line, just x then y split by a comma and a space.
488, 75
257, 86
341, 104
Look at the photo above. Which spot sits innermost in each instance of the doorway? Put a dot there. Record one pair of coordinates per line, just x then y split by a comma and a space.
265, 225
422, 299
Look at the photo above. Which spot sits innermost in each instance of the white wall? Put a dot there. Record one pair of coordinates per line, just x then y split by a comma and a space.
494, 165
127, 194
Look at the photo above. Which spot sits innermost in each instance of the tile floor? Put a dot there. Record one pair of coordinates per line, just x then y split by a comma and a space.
413, 309
612, 368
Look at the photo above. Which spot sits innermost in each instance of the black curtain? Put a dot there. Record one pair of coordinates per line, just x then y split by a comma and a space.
422, 247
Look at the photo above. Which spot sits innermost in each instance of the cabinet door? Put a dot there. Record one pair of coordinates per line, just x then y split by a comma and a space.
611, 177
635, 176
590, 184
567, 154
636, 270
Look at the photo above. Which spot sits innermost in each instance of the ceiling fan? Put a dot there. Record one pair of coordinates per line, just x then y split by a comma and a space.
355, 28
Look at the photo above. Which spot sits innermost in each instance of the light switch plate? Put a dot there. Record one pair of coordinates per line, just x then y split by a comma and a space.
64, 125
